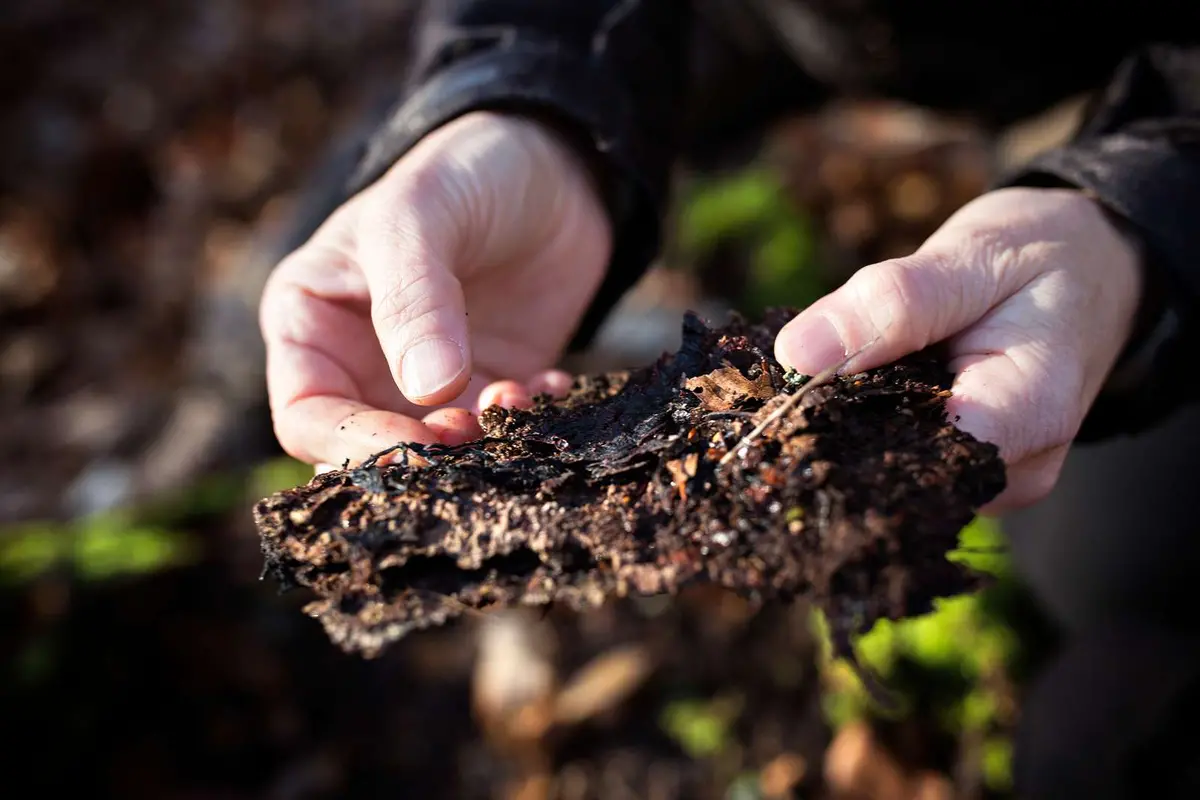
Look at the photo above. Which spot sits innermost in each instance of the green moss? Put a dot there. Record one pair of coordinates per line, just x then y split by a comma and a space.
701, 727
116, 545
715, 209
938, 662
95, 548
27, 551
997, 763
750, 207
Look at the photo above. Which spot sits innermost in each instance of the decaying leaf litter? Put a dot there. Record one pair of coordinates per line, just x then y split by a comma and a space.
643, 482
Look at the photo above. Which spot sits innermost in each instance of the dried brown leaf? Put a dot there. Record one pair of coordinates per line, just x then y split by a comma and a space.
726, 388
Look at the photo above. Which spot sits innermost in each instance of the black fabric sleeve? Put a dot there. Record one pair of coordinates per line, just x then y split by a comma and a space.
1138, 154
608, 74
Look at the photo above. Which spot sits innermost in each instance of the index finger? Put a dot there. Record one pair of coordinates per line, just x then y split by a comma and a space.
318, 408
318, 415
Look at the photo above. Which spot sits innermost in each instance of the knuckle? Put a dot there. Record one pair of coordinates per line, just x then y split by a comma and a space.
417, 295
404, 300
1039, 483
992, 252
984, 243
981, 241
418, 207
400, 224
289, 441
893, 292
277, 292
446, 184
267, 301
454, 175
1056, 401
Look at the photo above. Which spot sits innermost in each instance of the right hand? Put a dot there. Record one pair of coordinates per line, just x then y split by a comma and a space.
457, 278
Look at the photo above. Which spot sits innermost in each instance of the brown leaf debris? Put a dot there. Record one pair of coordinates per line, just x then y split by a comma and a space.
851, 499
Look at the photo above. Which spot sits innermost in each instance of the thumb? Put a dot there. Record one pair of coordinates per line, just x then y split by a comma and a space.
888, 310
406, 250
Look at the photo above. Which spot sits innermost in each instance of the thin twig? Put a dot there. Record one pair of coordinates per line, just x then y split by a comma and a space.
821, 378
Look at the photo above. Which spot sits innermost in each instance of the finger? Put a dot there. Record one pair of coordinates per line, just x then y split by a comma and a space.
317, 405
453, 426
315, 346
333, 430
893, 308
408, 240
1029, 482
555, 383
506, 394
1023, 400
311, 390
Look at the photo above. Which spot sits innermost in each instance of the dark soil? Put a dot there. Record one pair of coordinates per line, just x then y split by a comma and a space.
852, 500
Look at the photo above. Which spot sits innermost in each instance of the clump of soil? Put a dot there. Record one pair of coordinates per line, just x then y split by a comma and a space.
852, 499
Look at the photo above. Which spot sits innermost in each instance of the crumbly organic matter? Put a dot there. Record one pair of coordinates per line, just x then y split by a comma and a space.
851, 500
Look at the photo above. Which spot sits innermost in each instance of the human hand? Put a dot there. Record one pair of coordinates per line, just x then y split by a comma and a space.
1034, 291
366, 325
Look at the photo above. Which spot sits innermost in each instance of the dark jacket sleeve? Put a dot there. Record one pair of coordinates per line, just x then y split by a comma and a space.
608, 74
1138, 153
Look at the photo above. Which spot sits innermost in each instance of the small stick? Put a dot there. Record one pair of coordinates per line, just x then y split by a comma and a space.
821, 378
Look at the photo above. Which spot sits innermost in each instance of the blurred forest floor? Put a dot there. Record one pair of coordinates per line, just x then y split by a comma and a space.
155, 162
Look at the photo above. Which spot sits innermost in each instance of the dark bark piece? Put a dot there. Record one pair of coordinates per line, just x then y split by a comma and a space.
852, 499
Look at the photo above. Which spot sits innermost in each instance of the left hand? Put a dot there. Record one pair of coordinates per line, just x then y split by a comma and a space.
450, 284
1035, 292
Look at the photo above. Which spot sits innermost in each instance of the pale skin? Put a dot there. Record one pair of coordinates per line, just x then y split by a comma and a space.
456, 280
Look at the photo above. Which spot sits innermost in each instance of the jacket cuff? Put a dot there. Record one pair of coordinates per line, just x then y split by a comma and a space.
1149, 186
586, 106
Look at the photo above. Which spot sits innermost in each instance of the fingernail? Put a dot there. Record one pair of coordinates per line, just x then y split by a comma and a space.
810, 345
429, 366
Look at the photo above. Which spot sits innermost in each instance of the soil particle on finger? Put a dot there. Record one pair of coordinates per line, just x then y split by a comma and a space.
851, 500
